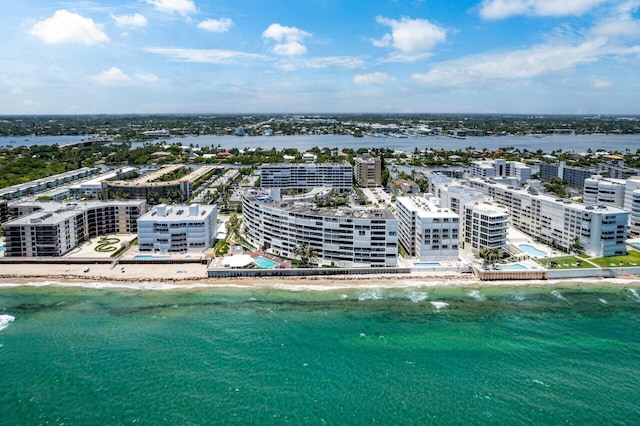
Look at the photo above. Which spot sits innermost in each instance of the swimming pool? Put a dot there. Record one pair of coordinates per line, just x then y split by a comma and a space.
512, 267
150, 256
636, 245
264, 263
2, 248
426, 264
528, 248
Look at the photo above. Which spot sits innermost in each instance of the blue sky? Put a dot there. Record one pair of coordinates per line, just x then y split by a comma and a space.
324, 56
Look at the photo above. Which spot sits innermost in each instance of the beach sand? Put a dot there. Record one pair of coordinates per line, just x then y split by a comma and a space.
155, 276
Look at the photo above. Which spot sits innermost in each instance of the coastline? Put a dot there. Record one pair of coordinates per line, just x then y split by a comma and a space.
193, 276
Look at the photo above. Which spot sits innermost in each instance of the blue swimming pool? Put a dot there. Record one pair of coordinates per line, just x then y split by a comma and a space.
264, 263
636, 245
512, 267
150, 256
426, 264
528, 248
2, 248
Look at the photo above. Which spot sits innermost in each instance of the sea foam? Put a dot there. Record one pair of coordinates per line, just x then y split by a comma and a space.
5, 320
475, 294
440, 305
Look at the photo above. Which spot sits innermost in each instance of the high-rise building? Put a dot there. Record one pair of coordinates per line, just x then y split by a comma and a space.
368, 171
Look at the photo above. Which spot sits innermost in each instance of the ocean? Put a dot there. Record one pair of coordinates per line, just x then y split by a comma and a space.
413, 354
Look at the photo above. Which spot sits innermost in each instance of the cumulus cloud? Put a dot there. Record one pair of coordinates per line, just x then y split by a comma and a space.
412, 38
376, 78
67, 27
478, 70
209, 56
182, 7
500, 9
113, 75
321, 63
135, 20
288, 40
216, 25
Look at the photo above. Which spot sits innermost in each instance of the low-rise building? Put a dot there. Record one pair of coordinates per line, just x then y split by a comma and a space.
178, 228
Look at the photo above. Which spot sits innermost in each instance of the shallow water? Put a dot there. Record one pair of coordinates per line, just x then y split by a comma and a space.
541, 354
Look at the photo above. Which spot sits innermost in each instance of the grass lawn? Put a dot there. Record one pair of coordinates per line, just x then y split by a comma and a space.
571, 262
632, 257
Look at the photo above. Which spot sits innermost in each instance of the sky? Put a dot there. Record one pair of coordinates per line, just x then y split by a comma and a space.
320, 56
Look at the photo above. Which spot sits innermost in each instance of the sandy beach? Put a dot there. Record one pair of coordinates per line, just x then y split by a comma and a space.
195, 275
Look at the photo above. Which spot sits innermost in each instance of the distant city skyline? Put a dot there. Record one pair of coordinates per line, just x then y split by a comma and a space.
314, 56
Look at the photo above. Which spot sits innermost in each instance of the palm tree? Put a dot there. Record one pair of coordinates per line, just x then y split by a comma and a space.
306, 253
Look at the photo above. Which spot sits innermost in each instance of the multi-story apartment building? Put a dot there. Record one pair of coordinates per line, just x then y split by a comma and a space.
54, 229
153, 183
484, 226
426, 230
178, 228
601, 230
304, 177
599, 190
501, 168
368, 171
574, 176
343, 237
632, 203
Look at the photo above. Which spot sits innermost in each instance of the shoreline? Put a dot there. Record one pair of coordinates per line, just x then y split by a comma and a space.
193, 276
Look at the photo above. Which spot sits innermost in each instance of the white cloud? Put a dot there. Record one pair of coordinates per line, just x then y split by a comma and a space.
600, 83
288, 39
111, 76
182, 7
67, 27
412, 38
147, 78
321, 63
478, 70
135, 20
216, 25
620, 22
373, 78
500, 9
209, 56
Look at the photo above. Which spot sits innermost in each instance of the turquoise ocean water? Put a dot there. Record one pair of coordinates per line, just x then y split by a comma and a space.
567, 354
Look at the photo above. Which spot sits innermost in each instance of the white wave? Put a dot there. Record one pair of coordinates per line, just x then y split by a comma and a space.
440, 305
475, 294
634, 293
5, 320
557, 295
370, 294
540, 382
418, 296
604, 302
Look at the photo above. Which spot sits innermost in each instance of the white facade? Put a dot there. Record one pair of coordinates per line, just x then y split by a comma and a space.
484, 226
307, 176
598, 190
427, 231
345, 238
501, 168
178, 228
601, 230
632, 203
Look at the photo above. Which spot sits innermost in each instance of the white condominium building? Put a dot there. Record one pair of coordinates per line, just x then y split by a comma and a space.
601, 230
344, 237
427, 231
178, 228
632, 203
501, 168
54, 229
307, 176
599, 190
484, 226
